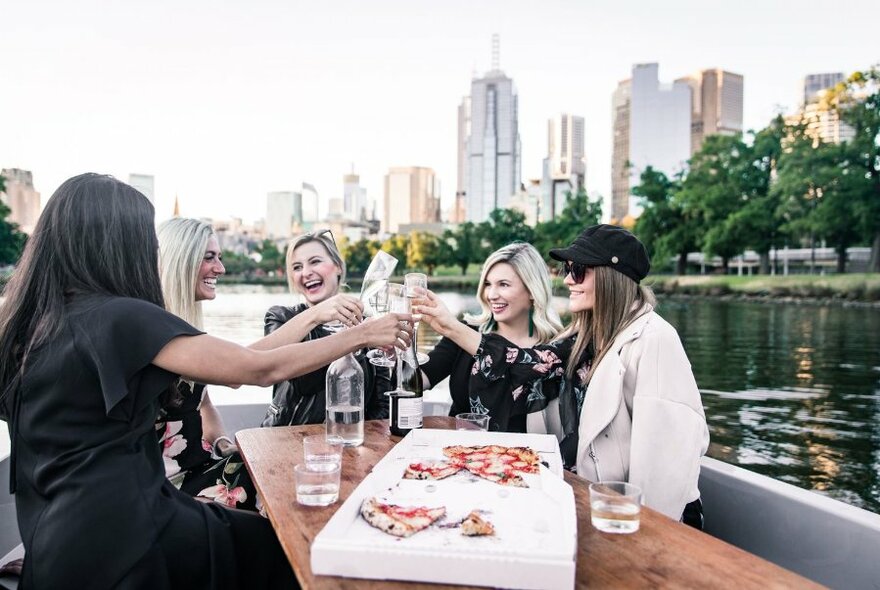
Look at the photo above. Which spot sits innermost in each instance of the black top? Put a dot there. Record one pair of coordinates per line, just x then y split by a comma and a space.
92, 498
303, 400
493, 398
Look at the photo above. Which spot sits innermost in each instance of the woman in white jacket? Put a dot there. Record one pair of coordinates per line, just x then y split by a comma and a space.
629, 408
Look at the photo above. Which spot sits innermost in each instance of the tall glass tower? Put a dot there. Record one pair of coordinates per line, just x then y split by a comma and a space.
493, 146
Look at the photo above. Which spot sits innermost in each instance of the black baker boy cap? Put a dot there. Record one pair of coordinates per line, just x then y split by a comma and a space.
608, 245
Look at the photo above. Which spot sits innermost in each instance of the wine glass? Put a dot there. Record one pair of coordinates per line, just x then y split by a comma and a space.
416, 284
376, 278
380, 304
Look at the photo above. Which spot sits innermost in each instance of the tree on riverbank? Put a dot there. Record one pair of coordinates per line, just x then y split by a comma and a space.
858, 102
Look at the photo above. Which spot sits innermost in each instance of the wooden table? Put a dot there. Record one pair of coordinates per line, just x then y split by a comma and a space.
662, 553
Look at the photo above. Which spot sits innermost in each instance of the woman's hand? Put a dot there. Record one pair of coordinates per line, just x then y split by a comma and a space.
393, 329
435, 313
342, 308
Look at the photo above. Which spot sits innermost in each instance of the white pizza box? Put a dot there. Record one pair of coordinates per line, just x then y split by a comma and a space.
536, 527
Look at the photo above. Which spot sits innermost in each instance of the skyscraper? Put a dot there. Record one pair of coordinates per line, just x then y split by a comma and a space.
566, 166
620, 106
464, 131
144, 183
493, 145
716, 105
412, 195
658, 120
815, 83
354, 198
21, 198
283, 211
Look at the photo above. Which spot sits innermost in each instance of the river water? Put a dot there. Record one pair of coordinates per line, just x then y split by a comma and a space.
790, 391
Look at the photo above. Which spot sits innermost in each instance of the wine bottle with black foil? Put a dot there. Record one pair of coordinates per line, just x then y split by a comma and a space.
405, 402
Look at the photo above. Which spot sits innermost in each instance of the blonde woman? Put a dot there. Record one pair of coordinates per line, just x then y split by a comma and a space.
629, 405
316, 272
200, 459
515, 297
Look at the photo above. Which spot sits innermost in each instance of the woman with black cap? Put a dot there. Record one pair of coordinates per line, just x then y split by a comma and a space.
629, 405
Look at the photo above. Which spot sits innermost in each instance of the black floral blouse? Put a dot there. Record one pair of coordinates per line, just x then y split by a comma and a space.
534, 376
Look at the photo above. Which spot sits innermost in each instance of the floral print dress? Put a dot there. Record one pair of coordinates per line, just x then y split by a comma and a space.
190, 464
534, 376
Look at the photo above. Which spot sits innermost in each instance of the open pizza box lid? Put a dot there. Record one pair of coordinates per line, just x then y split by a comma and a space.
535, 539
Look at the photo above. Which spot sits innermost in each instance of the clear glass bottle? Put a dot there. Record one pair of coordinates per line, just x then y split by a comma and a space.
345, 401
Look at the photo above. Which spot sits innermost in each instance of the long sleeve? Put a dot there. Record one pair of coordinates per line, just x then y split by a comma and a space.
669, 430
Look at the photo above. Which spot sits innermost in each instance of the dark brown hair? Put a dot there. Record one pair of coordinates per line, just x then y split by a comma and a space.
96, 235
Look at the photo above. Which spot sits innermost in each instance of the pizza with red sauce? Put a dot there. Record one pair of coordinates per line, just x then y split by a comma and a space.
400, 521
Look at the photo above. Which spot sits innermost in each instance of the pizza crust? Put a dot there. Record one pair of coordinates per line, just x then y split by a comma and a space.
476, 526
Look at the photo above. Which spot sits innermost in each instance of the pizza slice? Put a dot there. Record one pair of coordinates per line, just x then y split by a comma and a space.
496, 471
400, 521
436, 470
476, 526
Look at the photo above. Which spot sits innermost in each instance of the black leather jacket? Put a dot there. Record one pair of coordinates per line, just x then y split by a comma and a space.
303, 400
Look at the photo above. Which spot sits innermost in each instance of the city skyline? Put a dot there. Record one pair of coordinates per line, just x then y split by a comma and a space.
282, 95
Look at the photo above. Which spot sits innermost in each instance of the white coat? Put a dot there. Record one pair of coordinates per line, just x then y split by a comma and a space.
642, 419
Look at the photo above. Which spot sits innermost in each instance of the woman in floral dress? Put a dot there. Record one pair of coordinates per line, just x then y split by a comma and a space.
629, 406
200, 459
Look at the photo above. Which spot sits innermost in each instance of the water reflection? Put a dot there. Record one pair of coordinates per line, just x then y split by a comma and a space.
790, 391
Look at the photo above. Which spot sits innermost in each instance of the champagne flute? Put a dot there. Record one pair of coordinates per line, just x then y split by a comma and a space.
380, 305
416, 284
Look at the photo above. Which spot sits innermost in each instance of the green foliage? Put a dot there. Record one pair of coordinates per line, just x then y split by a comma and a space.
11, 239
238, 264
858, 102
358, 255
396, 246
272, 259
664, 226
461, 246
504, 227
579, 213
424, 252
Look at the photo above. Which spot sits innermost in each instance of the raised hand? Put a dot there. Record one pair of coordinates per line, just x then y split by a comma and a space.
435, 313
392, 329
340, 308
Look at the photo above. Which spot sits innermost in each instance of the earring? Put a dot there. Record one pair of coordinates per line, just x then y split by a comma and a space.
531, 321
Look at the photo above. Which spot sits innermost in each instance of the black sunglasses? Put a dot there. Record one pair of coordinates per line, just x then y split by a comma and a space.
577, 270
319, 233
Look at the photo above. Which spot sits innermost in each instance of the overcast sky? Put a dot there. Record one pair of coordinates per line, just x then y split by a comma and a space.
225, 101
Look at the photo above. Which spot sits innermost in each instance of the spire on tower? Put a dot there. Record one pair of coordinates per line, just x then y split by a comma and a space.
496, 53
176, 206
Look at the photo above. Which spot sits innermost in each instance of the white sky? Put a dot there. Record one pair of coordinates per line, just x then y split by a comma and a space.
225, 101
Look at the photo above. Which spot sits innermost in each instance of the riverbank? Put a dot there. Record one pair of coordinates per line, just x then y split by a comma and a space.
845, 288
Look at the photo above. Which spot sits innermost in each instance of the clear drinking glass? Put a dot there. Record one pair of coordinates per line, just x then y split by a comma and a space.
320, 453
615, 506
316, 487
471, 422
416, 284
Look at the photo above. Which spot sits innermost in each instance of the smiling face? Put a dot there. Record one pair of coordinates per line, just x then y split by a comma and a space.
313, 272
210, 268
506, 294
581, 296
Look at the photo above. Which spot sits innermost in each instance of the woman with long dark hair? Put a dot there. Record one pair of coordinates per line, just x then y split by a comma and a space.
86, 351
629, 406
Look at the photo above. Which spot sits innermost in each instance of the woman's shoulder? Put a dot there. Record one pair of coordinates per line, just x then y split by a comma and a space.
111, 305
283, 313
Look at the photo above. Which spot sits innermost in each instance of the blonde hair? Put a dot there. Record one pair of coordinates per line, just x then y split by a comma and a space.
532, 271
182, 245
619, 300
328, 244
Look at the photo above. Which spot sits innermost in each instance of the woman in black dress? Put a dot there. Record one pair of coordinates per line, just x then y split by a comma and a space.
316, 272
515, 297
86, 350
